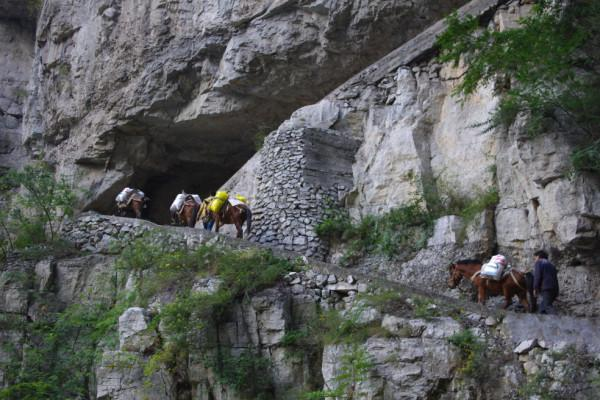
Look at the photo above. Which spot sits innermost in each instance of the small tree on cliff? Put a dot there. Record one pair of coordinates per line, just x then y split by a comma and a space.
548, 65
37, 203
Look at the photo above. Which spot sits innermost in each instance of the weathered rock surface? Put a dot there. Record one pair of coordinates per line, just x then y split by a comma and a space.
16, 57
415, 136
555, 332
120, 376
170, 94
134, 332
408, 357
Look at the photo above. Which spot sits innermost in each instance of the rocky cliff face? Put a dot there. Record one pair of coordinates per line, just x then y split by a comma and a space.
16, 57
181, 90
406, 341
415, 136
169, 95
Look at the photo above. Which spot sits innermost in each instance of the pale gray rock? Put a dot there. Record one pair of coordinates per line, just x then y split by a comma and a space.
402, 327
447, 230
120, 376
323, 115
16, 56
207, 285
362, 314
134, 332
342, 287
555, 331
436, 328
525, 346
45, 271
403, 368
84, 279
205, 69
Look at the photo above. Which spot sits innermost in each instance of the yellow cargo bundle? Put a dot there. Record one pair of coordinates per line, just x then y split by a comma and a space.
222, 196
215, 205
241, 198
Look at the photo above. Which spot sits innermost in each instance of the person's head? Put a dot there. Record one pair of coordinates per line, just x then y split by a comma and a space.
540, 254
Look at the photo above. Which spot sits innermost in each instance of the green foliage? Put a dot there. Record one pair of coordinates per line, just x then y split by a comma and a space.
548, 65
473, 353
34, 6
162, 267
424, 308
247, 373
587, 158
404, 230
386, 301
354, 369
401, 230
36, 212
29, 391
294, 337
58, 362
335, 327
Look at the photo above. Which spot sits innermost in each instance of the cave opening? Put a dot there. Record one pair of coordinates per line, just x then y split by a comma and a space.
192, 177
198, 157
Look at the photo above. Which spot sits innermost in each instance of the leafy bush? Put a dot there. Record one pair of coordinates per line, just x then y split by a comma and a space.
472, 350
404, 230
548, 64
247, 373
354, 369
57, 363
425, 308
37, 210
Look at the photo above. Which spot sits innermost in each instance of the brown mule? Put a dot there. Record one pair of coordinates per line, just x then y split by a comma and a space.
189, 211
135, 205
513, 283
236, 215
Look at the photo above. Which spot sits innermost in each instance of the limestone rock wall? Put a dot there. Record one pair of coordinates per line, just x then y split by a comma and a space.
409, 354
165, 94
415, 135
16, 57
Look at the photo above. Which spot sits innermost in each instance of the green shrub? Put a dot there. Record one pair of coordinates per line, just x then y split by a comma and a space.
247, 373
29, 391
386, 301
404, 230
473, 353
57, 362
36, 212
424, 308
294, 337
354, 370
401, 230
547, 64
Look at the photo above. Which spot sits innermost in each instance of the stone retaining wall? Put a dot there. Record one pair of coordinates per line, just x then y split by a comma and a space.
107, 234
302, 173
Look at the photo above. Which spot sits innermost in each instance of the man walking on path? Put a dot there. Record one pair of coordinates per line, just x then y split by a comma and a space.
545, 282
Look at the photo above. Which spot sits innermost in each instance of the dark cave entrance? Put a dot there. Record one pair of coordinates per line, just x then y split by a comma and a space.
193, 178
197, 156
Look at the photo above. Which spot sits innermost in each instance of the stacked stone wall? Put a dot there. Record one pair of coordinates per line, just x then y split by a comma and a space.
302, 173
105, 234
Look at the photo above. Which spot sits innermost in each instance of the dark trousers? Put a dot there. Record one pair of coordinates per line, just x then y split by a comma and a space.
209, 225
548, 297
